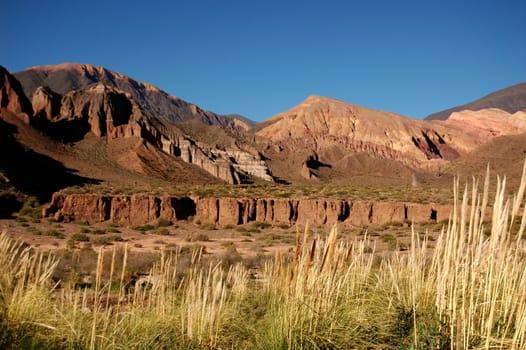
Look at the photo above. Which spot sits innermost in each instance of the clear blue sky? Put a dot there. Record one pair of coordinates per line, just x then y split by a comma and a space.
259, 58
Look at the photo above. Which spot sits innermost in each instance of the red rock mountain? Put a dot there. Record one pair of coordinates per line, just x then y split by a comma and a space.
141, 128
146, 143
66, 77
12, 96
331, 136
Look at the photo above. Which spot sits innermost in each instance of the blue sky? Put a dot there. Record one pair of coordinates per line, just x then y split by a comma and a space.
259, 58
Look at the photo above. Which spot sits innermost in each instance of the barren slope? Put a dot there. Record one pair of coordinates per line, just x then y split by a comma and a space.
510, 99
333, 134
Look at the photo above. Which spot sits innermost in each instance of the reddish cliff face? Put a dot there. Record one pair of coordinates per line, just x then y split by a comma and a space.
108, 112
142, 209
12, 96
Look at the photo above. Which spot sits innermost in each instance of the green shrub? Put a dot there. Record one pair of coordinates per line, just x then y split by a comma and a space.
142, 228
200, 237
79, 237
31, 208
34, 231
261, 225
207, 226
163, 222
53, 233
161, 232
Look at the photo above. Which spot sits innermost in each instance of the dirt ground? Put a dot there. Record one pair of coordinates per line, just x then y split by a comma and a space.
246, 240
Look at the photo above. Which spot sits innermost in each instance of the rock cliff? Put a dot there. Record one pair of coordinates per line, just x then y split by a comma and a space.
12, 96
107, 112
66, 77
143, 209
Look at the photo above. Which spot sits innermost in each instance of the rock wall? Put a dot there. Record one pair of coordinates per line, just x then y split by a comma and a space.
142, 209
12, 96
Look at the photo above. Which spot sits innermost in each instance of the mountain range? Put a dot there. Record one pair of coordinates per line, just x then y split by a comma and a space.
73, 124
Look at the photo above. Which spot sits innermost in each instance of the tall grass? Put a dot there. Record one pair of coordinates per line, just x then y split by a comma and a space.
467, 292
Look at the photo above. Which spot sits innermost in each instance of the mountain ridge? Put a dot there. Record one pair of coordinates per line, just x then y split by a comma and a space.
65, 77
322, 139
510, 99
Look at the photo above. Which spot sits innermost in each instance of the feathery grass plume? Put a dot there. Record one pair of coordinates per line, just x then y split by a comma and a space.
25, 291
480, 280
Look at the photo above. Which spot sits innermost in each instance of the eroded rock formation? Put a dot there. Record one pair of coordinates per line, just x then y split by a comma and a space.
334, 130
107, 112
12, 96
143, 209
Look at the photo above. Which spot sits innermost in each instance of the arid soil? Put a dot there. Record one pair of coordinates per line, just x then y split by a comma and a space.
239, 242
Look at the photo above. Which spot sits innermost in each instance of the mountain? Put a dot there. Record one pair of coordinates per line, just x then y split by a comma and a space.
505, 155
511, 100
12, 96
486, 124
326, 139
103, 134
66, 77
105, 128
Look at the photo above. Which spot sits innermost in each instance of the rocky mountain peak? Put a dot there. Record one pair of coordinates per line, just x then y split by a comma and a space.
12, 96
66, 77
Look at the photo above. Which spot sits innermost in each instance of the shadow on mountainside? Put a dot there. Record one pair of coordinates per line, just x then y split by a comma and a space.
32, 173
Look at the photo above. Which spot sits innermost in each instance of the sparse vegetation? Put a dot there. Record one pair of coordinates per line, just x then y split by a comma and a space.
163, 222
143, 228
465, 293
207, 226
79, 237
53, 233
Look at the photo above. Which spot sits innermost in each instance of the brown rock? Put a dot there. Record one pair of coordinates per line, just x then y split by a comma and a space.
229, 212
207, 210
46, 103
384, 212
262, 209
120, 212
337, 211
361, 213
341, 136
143, 209
284, 211
88, 207
12, 96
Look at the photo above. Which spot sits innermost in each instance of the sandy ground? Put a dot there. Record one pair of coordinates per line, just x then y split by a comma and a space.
248, 240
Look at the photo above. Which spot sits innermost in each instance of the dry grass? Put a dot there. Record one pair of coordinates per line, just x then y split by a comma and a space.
466, 292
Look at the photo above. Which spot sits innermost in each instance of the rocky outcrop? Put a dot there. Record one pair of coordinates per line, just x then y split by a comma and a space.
66, 77
12, 96
143, 209
107, 112
46, 103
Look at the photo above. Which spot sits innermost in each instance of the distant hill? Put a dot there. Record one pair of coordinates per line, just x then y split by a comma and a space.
511, 100
327, 139
66, 77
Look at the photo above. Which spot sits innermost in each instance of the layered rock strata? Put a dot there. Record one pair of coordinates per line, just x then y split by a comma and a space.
107, 112
142, 209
